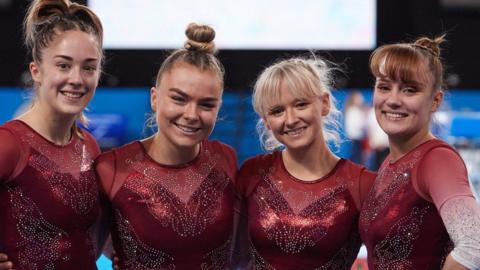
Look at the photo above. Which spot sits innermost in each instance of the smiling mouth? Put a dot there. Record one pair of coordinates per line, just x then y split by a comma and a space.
72, 95
187, 129
295, 131
395, 115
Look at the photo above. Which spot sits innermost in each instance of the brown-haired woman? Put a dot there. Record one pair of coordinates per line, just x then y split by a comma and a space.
49, 201
172, 194
420, 213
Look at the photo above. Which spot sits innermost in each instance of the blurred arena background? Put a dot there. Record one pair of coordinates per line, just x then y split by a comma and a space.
139, 33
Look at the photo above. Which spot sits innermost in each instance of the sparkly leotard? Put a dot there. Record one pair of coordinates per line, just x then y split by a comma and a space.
171, 217
48, 200
295, 224
401, 224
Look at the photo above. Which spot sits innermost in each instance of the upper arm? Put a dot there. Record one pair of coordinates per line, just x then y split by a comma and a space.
231, 158
10, 155
92, 143
367, 178
442, 175
105, 168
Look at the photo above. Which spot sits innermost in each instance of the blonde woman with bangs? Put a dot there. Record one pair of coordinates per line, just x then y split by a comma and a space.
301, 201
421, 213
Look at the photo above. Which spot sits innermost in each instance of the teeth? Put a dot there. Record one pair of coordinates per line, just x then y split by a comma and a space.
294, 131
187, 129
72, 94
395, 115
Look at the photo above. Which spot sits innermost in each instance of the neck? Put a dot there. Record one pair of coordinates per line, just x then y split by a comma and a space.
168, 154
311, 163
400, 146
55, 128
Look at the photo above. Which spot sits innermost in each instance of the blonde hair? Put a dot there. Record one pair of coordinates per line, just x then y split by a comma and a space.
407, 61
45, 18
305, 77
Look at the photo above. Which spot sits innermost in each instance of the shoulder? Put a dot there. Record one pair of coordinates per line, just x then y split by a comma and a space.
90, 141
258, 163
356, 173
349, 169
105, 159
220, 147
10, 146
15, 127
10, 133
441, 157
128, 150
225, 151
251, 172
440, 153
12, 154
7, 133
110, 157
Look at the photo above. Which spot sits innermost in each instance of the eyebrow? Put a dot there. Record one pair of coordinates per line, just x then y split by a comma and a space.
410, 82
185, 95
66, 57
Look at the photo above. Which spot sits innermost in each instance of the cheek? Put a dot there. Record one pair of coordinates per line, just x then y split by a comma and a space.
377, 100
93, 81
209, 118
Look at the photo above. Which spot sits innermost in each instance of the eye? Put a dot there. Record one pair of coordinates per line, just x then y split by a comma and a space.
410, 90
63, 66
301, 105
90, 68
178, 99
382, 87
208, 106
277, 111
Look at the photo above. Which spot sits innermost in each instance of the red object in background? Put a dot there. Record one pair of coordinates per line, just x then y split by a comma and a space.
360, 264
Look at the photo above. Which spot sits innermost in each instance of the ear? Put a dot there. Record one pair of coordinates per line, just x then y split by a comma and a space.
153, 98
437, 100
34, 71
325, 99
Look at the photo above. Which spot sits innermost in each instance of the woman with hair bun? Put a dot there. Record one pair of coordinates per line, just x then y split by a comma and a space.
421, 213
301, 201
49, 199
172, 194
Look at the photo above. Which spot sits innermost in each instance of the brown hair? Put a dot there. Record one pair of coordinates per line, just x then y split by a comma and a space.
45, 18
199, 51
407, 61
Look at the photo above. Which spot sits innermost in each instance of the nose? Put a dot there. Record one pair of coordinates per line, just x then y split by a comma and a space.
190, 113
291, 118
75, 77
394, 99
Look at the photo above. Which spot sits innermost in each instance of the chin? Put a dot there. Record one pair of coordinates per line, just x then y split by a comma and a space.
186, 143
297, 145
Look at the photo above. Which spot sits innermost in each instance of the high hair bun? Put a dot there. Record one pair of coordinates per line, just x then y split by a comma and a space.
431, 45
200, 38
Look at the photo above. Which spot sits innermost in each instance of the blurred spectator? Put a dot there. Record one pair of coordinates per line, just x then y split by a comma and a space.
377, 141
355, 128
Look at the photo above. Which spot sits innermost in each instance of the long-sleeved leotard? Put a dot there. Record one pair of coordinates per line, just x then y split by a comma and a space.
170, 217
295, 224
49, 200
420, 208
